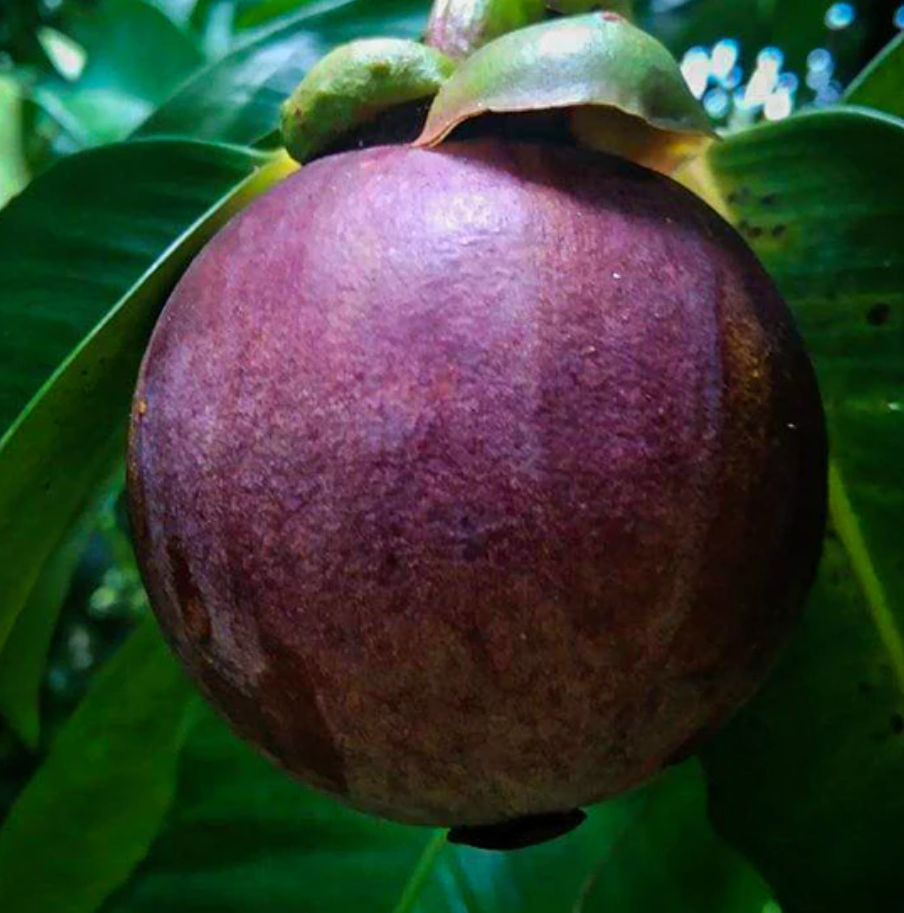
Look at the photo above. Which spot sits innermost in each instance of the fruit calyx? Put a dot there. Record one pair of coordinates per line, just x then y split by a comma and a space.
601, 81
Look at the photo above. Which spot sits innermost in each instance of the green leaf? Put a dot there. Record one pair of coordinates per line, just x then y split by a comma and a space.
237, 99
24, 656
107, 232
123, 79
804, 780
245, 838
93, 808
881, 84
354, 84
250, 14
650, 850
623, 90
178, 11
132, 48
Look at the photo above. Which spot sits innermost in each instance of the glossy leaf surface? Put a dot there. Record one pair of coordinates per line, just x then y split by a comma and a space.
881, 84
244, 837
94, 807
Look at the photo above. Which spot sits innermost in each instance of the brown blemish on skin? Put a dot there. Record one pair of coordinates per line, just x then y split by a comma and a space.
197, 621
609, 16
297, 728
141, 407
191, 604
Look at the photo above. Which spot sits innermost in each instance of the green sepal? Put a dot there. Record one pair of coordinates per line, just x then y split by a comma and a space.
623, 90
355, 83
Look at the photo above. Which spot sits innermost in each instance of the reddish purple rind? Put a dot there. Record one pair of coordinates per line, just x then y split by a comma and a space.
473, 484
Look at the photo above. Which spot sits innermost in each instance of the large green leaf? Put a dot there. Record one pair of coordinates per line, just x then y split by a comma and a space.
651, 850
131, 47
244, 838
106, 233
237, 99
881, 84
806, 780
82, 235
124, 79
89, 814
24, 657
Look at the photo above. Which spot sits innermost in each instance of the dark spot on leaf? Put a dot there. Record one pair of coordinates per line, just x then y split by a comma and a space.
756, 231
769, 199
779, 230
739, 195
520, 833
878, 314
897, 723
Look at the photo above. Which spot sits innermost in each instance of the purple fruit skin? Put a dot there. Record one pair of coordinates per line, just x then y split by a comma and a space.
476, 483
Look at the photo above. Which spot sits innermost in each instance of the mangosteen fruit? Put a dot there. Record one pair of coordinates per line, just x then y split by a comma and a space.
474, 481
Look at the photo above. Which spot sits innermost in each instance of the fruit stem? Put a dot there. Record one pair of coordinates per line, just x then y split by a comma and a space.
459, 27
